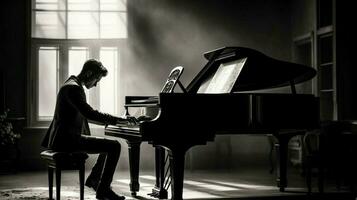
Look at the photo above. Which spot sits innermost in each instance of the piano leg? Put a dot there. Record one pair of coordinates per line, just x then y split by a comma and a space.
134, 158
177, 163
282, 157
281, 149
159, 191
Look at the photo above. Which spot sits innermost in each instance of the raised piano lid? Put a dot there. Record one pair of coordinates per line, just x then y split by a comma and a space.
259, 71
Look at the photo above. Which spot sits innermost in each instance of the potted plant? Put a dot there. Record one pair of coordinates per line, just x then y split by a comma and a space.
7, 135
9, 150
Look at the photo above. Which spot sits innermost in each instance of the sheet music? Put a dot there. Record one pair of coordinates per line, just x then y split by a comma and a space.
224, 78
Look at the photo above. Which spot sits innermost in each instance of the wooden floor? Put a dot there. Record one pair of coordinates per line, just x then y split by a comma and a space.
243, 184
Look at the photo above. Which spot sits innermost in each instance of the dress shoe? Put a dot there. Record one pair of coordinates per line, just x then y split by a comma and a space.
108, 194
91, 183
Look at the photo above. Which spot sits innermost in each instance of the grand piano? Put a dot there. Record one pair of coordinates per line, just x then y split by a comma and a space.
199, 113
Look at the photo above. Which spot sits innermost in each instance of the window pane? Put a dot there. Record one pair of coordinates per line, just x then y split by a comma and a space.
109, 85
48, 24
113, 25
117, 5
47, 81
79, 19
82, 25
83, 4
76, 58
50, 4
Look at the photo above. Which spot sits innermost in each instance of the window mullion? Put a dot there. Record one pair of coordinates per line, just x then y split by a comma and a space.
66, 21
35, 88
99, 29
64, 62
116, 82
94, 93
58, 69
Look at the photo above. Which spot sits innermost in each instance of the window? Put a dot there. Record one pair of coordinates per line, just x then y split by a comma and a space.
65, 33
79, 19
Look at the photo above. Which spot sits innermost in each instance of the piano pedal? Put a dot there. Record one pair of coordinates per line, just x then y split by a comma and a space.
159, 193
167, 186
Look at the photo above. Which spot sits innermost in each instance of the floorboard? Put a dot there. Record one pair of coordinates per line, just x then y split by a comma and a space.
212, 184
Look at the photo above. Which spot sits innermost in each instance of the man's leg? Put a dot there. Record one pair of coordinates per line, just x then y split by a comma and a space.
96, 173
110, 165
108, 147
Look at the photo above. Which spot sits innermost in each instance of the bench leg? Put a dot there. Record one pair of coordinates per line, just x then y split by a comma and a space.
58, 184
81, 182
50, 183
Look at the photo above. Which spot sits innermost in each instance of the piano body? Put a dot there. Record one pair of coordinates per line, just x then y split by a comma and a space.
193, 118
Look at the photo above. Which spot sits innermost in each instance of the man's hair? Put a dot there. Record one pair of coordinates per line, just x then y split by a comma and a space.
94, 66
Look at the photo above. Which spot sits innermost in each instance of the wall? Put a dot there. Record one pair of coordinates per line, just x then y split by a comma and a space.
13, 47
302, 17
164, 34
13, 55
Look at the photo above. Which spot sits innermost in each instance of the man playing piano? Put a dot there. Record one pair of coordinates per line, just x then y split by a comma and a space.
69, 130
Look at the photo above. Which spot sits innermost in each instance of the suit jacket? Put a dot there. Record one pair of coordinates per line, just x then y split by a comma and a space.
71, 117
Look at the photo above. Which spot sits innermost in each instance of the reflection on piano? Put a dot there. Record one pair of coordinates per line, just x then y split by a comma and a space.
188, 119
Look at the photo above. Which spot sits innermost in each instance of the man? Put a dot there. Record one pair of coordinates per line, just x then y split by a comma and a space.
69, 130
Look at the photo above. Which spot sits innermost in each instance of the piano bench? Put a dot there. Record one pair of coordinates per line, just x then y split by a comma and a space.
64, 161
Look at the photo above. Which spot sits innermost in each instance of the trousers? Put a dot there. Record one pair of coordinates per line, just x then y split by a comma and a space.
109, 152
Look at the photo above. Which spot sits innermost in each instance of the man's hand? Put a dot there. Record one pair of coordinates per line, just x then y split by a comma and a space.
127, 120
132, 121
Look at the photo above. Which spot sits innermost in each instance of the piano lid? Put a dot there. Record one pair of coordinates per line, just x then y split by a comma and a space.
259, 71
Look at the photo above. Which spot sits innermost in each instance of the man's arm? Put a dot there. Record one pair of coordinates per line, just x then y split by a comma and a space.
76, 97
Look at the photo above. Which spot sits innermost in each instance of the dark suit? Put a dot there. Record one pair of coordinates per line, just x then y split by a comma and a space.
69, 130
70, 117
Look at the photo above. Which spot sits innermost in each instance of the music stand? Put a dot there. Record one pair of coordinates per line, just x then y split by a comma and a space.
171, 81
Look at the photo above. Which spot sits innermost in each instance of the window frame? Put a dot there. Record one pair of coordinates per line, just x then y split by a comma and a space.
64, 45
94, 46
66, 24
